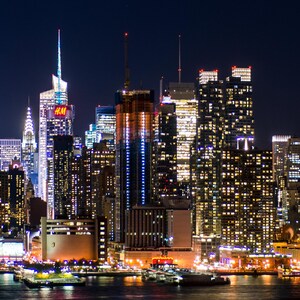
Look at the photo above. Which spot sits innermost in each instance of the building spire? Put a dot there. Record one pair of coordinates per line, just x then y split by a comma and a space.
59, 67
179, 58
127, 80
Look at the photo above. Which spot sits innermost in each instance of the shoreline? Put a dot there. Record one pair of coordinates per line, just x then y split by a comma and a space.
253, 273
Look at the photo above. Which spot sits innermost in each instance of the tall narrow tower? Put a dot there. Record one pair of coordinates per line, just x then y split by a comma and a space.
210, 137
29, 145
134, 120
56, 118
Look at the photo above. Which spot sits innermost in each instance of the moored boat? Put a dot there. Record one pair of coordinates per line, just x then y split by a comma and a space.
288, 272
202, 279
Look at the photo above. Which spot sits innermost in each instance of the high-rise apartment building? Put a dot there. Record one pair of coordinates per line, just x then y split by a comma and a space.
239, 120
234, 192
248, 208
10, 149
210, 139
134, 127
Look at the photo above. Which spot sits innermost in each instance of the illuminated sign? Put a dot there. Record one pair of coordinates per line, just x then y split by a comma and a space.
60, 110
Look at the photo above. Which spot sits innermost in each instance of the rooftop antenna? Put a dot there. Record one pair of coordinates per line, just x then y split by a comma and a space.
161, 89
28, 101
127, 81
179, 58
59, 68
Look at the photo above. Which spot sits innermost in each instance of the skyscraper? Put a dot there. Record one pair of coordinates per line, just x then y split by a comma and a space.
106, 124
56, 118
29, 145
134, 121
16, 197
210, 139
247, 210
64, 207
280, 158
165, 153
239, 120
91, 136
183, 96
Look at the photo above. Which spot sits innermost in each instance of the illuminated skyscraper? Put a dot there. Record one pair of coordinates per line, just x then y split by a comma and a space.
64, 207
248, 208
239, 120
210, 138
183, 96
290, 193
165, 153
16, 197
91, 136
134, 121
56, 118
29, 146
279, 152
106, 124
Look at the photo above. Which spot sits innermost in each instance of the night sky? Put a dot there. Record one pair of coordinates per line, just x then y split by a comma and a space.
214, 35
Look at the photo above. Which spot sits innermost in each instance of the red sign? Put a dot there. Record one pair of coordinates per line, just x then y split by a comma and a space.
60, 110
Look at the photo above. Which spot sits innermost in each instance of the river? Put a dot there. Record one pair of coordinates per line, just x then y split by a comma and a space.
241, 287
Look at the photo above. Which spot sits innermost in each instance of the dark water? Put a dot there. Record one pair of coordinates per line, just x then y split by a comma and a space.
241, 287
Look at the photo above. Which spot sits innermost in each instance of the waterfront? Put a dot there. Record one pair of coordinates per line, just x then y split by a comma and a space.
241, 287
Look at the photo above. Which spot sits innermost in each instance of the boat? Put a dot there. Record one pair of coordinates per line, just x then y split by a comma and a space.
288, 272
31, 282
149, 274
160, 277
205, 279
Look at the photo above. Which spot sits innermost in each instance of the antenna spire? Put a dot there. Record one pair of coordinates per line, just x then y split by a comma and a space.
179, 58
58, 67
127, 80
28, 101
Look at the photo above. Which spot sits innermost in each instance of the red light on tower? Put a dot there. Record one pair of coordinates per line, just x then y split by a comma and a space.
233, 67
60, 110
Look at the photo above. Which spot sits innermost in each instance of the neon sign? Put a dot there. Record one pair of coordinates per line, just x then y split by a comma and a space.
60, 110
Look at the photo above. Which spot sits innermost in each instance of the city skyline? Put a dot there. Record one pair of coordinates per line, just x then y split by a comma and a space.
218, 36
